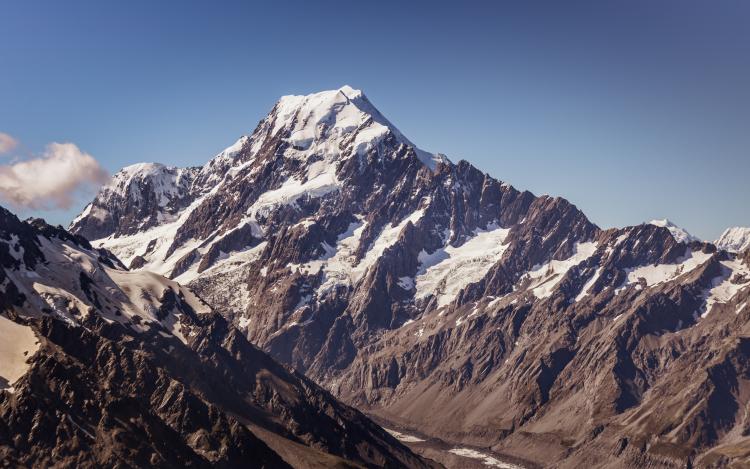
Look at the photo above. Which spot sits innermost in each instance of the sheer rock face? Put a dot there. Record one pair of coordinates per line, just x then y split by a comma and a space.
442, 299
130, 369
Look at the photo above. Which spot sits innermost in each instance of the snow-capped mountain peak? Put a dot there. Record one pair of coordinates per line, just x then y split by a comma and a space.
137, 196
680, 234
734, 239
308, 148
166, 180
334, 116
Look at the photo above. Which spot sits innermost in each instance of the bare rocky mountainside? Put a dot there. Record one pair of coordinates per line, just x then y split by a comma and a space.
105, 367
443, 301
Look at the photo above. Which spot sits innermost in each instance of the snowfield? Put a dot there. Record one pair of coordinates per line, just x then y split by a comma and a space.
132, 298
445, 272
735, 239
735, 278
544, 278
17, 344
660, 273
339, 263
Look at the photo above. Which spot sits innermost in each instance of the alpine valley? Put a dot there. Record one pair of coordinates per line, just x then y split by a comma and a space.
187, 314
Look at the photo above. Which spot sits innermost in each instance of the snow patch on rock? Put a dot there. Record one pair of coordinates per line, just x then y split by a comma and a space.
17, 344
404, 437
735, 278
544, 278
446, 271
585, 290
660, 273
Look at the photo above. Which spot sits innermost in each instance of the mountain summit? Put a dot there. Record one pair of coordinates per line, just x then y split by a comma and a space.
735, 239
438, 298
315, 133
680, 234
334, 116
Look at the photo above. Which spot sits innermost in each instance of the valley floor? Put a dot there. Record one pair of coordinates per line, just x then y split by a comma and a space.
452, 456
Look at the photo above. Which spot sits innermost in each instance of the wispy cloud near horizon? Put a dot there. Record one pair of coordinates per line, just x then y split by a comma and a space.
51, 180
7, 143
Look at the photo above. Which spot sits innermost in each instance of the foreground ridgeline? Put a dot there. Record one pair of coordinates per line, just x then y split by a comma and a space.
445, 301
105, 367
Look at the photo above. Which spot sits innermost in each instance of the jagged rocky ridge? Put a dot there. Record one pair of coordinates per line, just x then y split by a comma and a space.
441, 299
104, 367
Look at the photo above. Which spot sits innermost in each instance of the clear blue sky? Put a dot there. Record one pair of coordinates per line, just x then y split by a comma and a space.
632, 110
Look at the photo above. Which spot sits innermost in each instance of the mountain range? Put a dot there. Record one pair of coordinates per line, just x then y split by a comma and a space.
105, 367
439, 301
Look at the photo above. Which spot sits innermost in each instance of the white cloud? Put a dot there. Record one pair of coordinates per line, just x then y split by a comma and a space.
51, 180
7, 143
